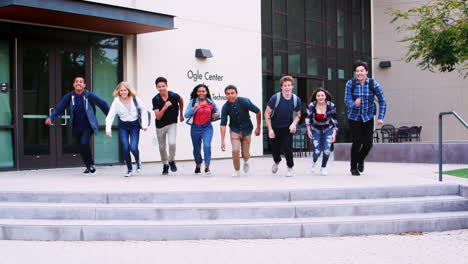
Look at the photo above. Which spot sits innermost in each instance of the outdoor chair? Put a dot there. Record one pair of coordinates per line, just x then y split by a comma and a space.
414, 132
388, 133
402, 134
375, 136
301, 142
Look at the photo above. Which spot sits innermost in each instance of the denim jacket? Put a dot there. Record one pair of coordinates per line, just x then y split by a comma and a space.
91, 100
189, 112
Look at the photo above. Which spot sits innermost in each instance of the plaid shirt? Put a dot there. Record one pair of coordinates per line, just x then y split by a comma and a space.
328, 121
367, 109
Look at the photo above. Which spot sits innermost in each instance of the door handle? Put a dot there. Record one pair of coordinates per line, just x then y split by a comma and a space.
50, 113
65, 118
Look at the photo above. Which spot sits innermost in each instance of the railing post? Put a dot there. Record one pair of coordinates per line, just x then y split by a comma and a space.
440, 136
440, 147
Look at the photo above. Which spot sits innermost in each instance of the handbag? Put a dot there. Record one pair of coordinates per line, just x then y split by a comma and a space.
139, 112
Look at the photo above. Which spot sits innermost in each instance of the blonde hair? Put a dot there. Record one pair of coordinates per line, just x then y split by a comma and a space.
131, 92
286, 78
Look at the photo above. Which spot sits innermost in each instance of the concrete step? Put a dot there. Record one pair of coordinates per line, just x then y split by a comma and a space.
215, 211
14, 229
233, 196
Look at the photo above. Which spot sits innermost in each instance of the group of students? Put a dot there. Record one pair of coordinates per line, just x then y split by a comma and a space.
282, 115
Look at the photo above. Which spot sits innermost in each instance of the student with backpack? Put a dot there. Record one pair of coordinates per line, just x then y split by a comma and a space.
282, 114
132, 116
83, 119
322, 126
200, 112
359, 99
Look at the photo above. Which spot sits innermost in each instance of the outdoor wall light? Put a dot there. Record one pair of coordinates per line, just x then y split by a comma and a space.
203, 53
385, 64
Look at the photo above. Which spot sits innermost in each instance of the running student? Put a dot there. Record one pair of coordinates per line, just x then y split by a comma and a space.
126, 106
321, 126
359, 99
237, 110
167, 107
282, 114
200, 112
83, 119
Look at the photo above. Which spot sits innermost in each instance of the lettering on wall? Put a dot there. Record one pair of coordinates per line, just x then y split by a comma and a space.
207, 76
198, 76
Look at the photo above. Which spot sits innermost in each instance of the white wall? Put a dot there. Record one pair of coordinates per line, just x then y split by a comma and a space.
230, 29
415, 97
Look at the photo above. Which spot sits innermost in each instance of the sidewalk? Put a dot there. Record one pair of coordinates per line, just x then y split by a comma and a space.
110, 178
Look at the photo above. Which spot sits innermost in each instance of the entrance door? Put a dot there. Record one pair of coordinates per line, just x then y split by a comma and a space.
45, 74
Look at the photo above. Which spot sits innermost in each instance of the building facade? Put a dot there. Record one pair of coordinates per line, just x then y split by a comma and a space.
253, 43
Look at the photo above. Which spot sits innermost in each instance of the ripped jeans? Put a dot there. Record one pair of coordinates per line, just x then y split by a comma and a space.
321, 142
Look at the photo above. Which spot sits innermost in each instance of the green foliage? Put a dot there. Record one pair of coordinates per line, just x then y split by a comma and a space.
438, 34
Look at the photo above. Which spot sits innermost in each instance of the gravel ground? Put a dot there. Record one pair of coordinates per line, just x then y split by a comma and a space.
437, 247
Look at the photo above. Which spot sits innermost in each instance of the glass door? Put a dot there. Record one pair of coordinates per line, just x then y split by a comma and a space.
45, 74
70, 62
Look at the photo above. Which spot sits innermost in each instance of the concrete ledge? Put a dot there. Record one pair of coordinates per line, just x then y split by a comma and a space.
420, 152
233, 196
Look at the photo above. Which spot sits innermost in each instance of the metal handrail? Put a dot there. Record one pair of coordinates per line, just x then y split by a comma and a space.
440, 136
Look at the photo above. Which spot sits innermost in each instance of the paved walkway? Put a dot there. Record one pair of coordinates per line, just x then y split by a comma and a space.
110, 178
444, 247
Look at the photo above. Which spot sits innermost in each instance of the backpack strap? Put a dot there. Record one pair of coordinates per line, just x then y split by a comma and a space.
278, 97
371, 86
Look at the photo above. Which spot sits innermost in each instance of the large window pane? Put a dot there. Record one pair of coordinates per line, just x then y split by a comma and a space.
106, 70
295, 57
279, 5
6, 137
279, 64
314, 9
340, 29
314, 32
267, 49
35, 101
331, 11
279, 26
280, 44
331, 36
5, 106
314, 60
296, 20
266, 17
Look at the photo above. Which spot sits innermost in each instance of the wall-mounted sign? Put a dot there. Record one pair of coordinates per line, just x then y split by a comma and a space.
207, 76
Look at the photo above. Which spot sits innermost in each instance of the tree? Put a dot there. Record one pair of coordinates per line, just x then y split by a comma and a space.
437, 34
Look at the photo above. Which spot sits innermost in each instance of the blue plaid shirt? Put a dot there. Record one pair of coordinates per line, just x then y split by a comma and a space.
367, 109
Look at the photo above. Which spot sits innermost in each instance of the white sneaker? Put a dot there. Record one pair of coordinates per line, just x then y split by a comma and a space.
138, 169
323, 171
314, 167
128, 174
246, 167
236, 173
274, 168
290, 172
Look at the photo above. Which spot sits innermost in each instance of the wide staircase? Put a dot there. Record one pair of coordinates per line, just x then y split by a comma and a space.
231, 215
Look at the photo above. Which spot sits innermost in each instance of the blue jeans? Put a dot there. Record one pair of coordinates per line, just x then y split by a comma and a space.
83, 137
129, 135
202, 133
321, 143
